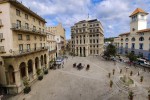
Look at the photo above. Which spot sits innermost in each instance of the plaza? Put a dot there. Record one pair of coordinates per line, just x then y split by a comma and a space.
69, 83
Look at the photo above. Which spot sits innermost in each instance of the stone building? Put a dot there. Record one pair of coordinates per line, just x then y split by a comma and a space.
22, 45
51, 44
138, 39
60, 37
87, 38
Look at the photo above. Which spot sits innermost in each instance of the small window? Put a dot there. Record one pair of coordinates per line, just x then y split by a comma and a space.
97, 30
26, 16
28, 37
133, 39
28, 47
19, 36
141, 39
97, 41
97, 24
126, 39
21, 48
17, 12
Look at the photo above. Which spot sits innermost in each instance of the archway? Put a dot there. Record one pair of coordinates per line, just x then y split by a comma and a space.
36, 62
30, 67
22, 69
41, 60
45, 59
80, 51
11, 75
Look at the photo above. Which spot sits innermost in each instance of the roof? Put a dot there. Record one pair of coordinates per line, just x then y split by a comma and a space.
93, 20
21, 6
144, 30
124, 34
138, 10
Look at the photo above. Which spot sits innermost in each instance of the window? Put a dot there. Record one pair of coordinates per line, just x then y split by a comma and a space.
34, 28
26, 25
83, 30
34, 46
18, 23
26, 16
90, 41
20, 48
133, 39
141, 46
91, 31
97, 41
93, 35
28, 47
1, 36
97, 51
97, 30
90, 25
126, 39
141, 39
97, 46
77, 41
41, 45
17, 12
97, 24
19, 36
90, 35
28, 37
126, 45
97, 34
83, 24
133, 45
93, 41
84, 41
90, 51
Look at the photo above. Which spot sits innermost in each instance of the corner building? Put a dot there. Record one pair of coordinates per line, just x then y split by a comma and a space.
87, 38
22, 45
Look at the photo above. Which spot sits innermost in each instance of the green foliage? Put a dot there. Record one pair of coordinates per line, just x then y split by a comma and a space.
26, 81
110, 51
108, 39
131, 94
132, 57
39, 72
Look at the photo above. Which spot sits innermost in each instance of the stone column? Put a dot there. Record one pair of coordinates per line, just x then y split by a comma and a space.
39, 64
34, 71
18, 80
78, 51
27, 74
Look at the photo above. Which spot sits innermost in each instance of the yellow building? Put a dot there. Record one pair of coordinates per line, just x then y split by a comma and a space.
60, 37
23, 45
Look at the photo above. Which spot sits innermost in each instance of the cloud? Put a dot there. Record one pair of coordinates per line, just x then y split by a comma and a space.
114, 15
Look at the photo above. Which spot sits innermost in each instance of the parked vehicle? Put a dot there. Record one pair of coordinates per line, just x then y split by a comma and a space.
143, 62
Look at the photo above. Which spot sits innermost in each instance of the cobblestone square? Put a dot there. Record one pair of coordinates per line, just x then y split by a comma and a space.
69, 83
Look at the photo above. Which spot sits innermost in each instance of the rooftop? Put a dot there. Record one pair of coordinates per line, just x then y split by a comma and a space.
138, 10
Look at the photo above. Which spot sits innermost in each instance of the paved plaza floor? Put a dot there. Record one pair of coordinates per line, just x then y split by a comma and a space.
69, 83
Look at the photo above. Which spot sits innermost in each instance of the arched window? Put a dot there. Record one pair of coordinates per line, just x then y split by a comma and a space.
133, 39
126, 39
141, 39
121, 39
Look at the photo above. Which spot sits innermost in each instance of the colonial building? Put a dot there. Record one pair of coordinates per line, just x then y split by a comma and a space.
22, 45
60, 37
51, 44
138, 39
87, 38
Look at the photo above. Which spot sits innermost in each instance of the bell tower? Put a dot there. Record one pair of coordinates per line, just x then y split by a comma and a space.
138, 20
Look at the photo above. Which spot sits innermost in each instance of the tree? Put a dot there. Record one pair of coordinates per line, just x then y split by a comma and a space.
110, 50
132, 57
131, 94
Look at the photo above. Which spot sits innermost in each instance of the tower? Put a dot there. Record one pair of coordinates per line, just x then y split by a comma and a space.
138, 20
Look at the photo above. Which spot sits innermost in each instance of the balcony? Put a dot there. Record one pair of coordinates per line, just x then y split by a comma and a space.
2, 50
29, 51
21, 28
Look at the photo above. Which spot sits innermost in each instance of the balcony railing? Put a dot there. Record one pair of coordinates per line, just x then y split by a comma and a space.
26, 29
28, 51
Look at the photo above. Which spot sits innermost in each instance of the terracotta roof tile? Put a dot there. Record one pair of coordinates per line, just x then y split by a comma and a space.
138, 10
124, 34
144, 30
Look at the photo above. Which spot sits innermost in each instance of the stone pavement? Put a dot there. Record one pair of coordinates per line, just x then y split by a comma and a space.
71, 84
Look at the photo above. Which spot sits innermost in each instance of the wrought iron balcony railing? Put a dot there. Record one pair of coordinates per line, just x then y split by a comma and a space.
28, 51
18, 27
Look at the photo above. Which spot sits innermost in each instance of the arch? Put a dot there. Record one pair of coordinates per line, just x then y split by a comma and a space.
141, 38
133, 39
30, 66
41, 60
11, 74
36, 62
22, 69
45, 59
126, 39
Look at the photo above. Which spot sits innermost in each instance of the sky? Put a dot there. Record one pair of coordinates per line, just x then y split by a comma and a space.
113, 14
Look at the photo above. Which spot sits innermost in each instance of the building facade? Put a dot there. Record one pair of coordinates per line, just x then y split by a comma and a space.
138, 39
87, 38
22, 45
51, 44
60, 37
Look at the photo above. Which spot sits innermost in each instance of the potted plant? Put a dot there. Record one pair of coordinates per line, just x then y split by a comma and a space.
88, 67
113, 71
149, 95
39, 73
131, 94
111, 83
46, 71
141, 79
120, 71
131, 73
27, 88
109, 74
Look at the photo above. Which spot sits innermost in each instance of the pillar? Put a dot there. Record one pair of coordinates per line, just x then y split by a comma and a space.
27, 74
34, 71
18, 81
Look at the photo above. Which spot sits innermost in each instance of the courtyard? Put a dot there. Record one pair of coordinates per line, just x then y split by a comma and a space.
69, 83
